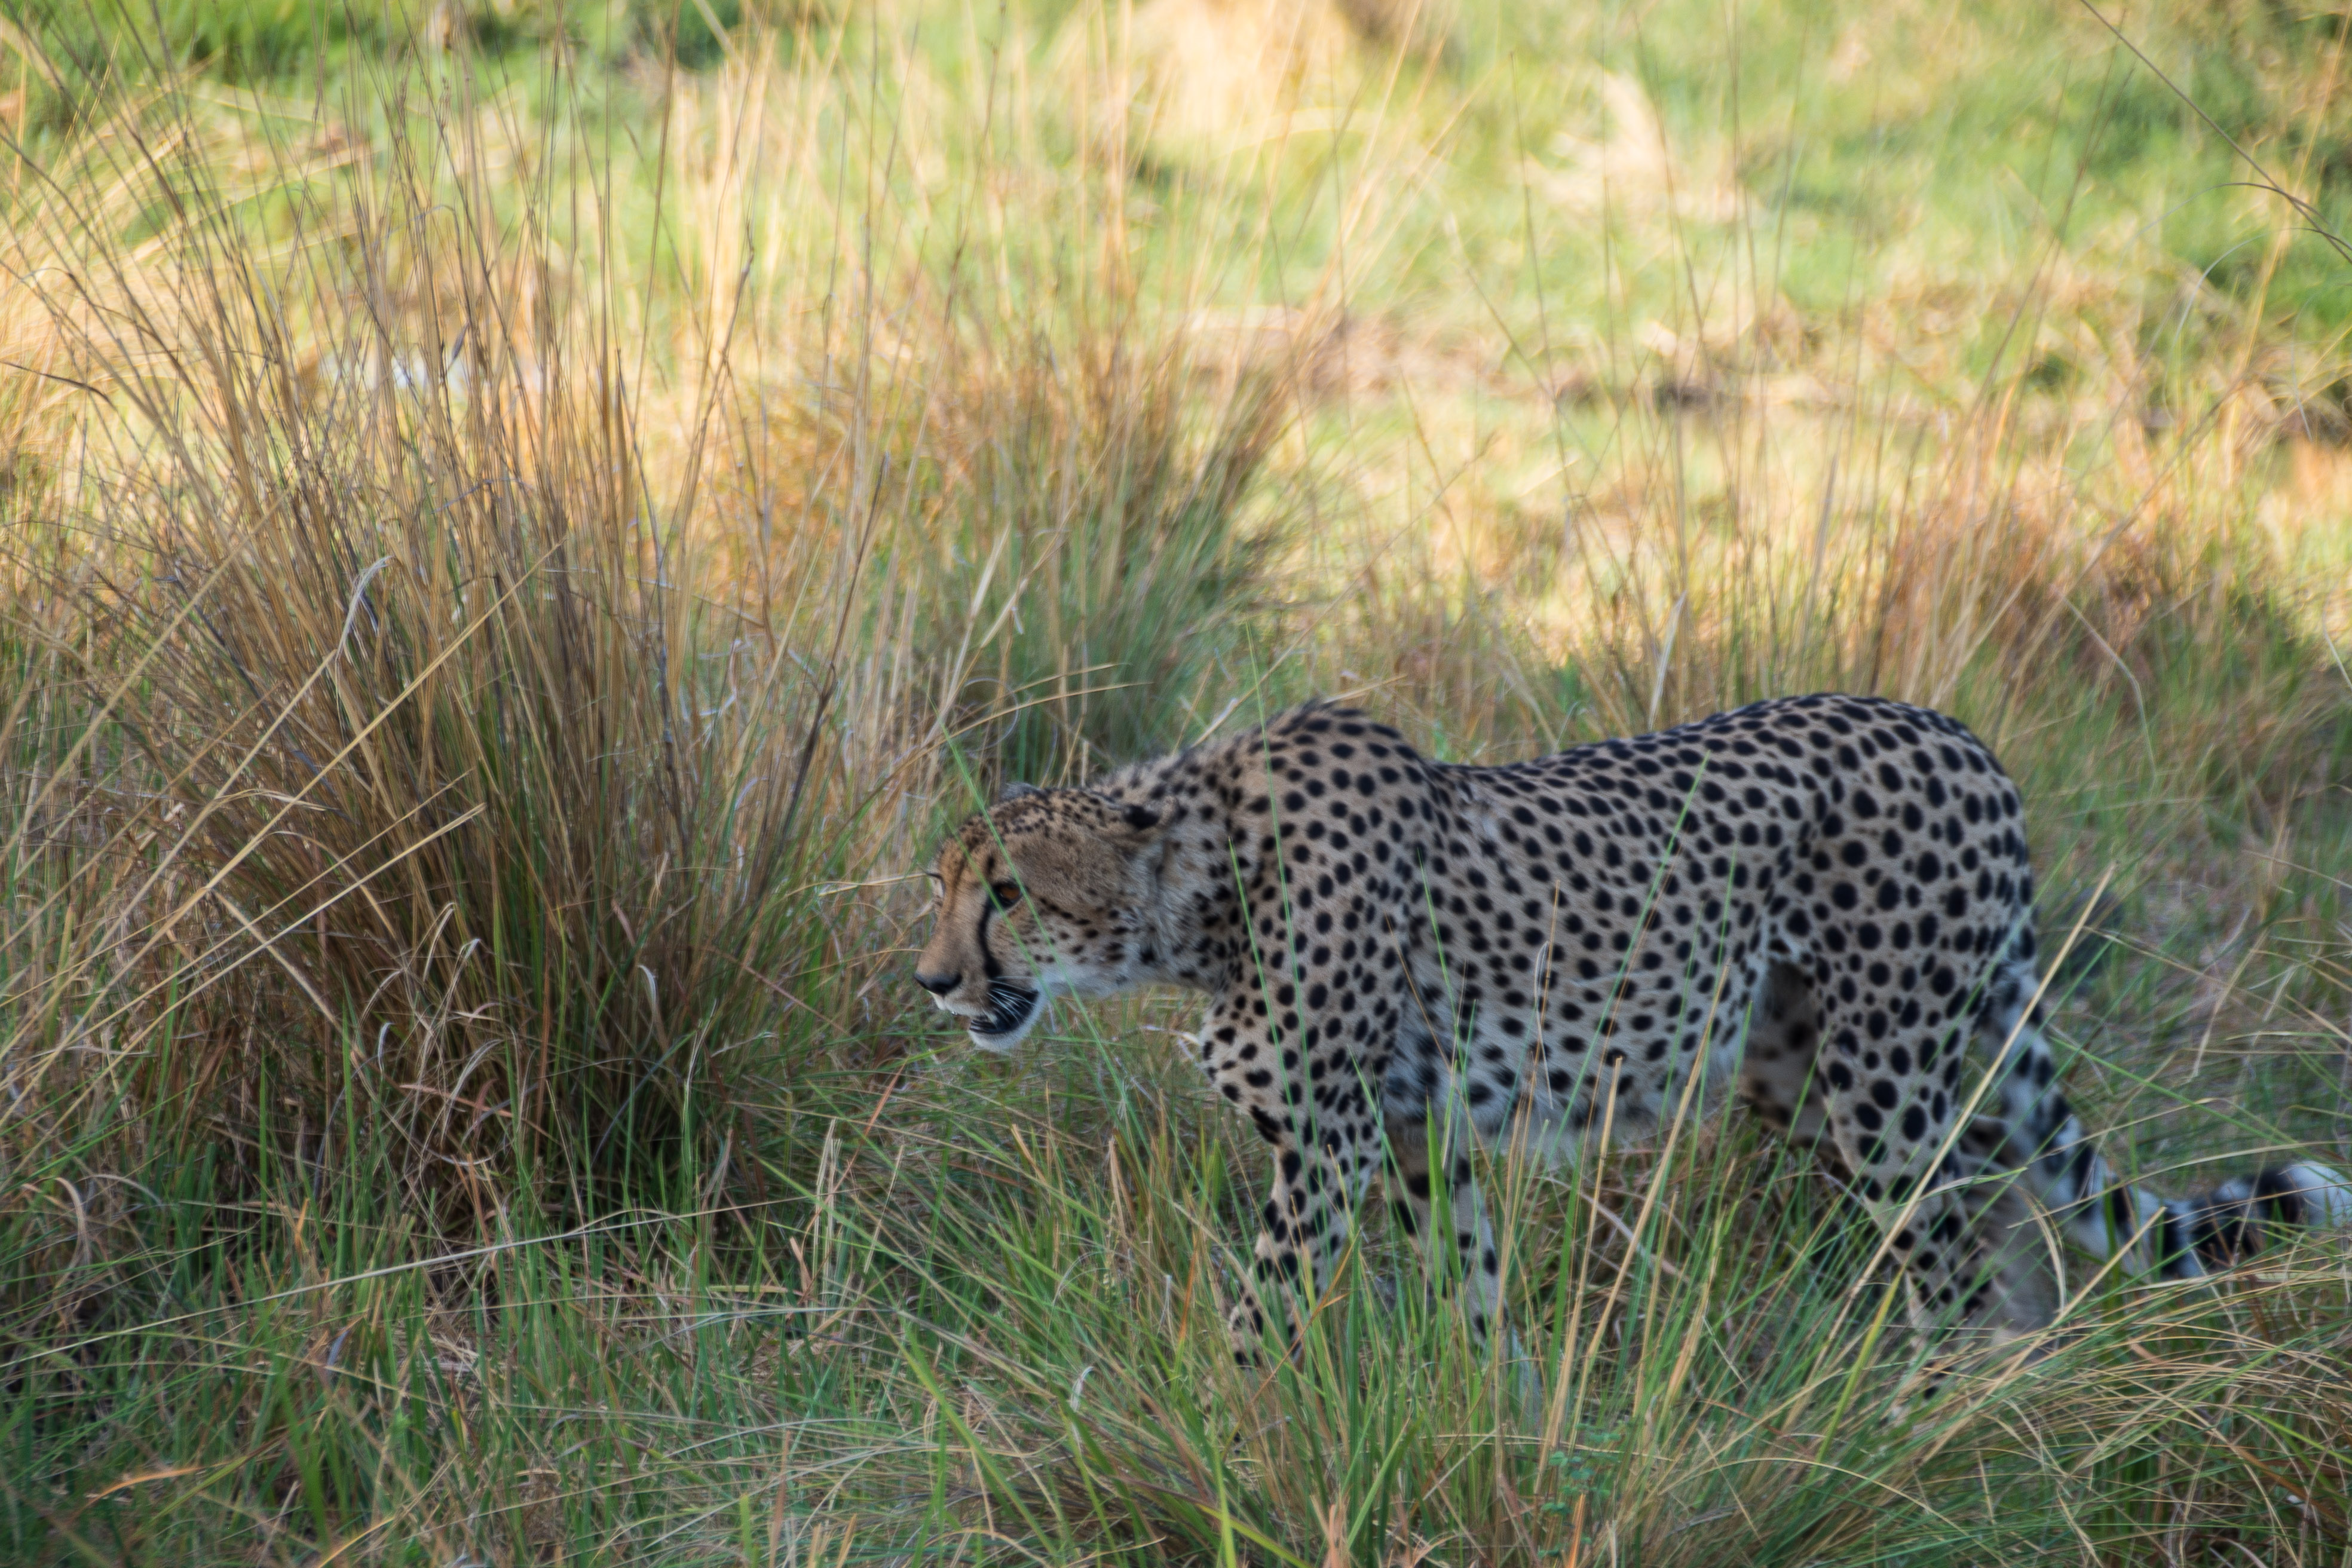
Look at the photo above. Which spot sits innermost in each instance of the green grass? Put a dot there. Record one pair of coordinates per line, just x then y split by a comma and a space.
942, 1344
514, 556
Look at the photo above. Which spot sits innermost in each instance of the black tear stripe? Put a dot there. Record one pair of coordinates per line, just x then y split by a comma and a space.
989, 968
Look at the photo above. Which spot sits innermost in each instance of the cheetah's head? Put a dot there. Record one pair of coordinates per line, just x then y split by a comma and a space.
1049, 890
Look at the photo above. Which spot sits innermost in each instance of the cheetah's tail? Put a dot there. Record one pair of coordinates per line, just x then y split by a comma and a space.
2182, 1238
2236, 1219
2171, 1238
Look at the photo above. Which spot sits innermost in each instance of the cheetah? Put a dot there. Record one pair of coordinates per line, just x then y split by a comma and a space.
1821, 902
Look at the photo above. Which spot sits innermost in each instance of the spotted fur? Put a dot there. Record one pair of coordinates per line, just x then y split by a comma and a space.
1823, 900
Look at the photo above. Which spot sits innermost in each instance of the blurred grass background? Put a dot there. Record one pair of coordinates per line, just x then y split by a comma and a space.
524, 522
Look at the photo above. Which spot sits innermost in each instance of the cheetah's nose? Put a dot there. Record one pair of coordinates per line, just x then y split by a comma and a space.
937, 985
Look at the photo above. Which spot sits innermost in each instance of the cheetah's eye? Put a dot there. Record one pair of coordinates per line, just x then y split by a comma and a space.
1006, 894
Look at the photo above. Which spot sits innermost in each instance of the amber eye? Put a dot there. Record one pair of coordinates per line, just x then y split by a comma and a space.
1006, 894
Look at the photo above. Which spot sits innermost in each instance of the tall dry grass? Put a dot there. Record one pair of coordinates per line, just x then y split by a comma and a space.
479, 722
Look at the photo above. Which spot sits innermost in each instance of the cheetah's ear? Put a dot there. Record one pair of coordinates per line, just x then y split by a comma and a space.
1014, 790
1139, 818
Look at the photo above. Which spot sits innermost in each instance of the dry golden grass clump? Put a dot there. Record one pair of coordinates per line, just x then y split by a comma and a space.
471, 751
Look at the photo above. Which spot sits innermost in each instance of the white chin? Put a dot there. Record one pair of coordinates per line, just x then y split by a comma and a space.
1002, 1045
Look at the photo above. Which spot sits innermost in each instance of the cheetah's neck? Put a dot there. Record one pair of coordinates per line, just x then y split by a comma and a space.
1194, 903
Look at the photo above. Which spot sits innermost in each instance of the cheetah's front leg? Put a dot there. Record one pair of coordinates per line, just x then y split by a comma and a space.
1324, 1155
1306, 1227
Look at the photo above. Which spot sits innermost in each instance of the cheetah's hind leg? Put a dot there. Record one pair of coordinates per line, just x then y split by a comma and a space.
1461, 1251
1996, 1245
1464, 1259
